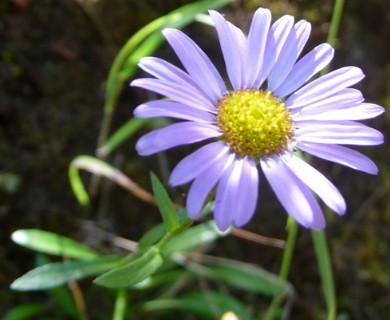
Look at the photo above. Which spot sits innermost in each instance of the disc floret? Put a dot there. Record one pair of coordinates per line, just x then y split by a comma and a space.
254, 123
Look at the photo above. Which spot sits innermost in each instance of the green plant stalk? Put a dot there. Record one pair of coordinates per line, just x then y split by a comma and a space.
325, 266
289, 248
335, 23
334, 27
292, 229
120, 305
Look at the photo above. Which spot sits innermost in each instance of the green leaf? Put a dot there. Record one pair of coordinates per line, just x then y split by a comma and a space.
249, 278
193, 237
24, 311
54, 274
124, 133
169, 276
52, 243
165, 205
152, 236
133, 272
205, 304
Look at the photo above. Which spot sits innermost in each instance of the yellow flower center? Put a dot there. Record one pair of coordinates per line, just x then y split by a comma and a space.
254, 123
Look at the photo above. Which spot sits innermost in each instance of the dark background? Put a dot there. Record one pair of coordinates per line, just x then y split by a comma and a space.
54, 59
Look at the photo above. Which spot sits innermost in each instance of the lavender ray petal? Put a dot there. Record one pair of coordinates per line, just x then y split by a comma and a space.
249, 188
293, 194
198, 161
164, 70
197, 64
305, 68
325, 86
256, 43
344, 98
174, 135
228, 195
232, 43
293, 47
204, 183
179, 92
337, 132
172, 109
358, 111
341, 155
276, 39
317, 182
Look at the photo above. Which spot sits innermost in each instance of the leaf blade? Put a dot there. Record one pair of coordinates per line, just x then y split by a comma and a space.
133, 272
52, 243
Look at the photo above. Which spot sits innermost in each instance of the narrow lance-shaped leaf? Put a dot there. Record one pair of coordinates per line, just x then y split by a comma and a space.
165, 205
52, 243
133, 272
54, 274
124, 133
192, 238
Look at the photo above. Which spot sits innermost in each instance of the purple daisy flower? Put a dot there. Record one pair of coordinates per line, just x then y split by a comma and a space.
269, 112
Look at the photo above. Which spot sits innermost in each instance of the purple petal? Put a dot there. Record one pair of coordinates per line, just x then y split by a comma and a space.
305, 68
204, 183
249, 188
172, 109
232, 43
360, 111
164, 70
197, 64
175, 135
325, 86
337, 132
228, 195
256, 45
276, 39
345, 98
293, 194
198, 161
291, 50
340, 154
317, 182
179, 92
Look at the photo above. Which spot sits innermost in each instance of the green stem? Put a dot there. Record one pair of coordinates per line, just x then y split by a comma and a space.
120, 305
335, 23
292, 228
289, 249
322, 253
334, 27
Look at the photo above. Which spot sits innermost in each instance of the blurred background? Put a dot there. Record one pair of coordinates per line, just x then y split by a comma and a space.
54, 59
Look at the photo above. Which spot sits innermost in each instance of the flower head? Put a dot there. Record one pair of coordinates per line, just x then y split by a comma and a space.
269, 111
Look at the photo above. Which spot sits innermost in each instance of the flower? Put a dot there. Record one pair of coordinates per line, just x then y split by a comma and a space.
263, 121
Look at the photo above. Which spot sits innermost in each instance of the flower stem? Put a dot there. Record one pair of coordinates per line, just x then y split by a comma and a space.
292, 229
334, 27
289, 249
325, 267
120, 305
335, 23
